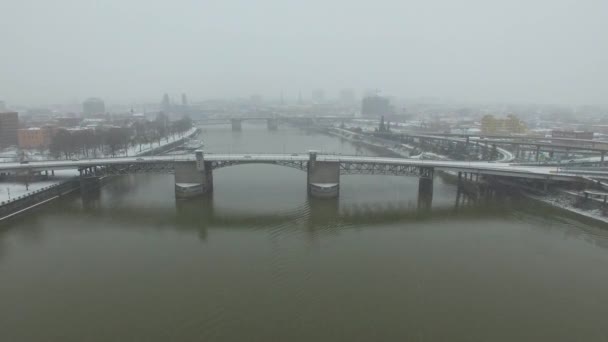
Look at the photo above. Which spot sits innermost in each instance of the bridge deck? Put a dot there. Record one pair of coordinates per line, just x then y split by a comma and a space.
488, 168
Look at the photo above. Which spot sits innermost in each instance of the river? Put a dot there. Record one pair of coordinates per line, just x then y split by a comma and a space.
259, 261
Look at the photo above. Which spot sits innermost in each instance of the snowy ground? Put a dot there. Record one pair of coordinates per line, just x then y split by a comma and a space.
12, 155
565, 201
134, 150
13, 190
402, 150
506, 156
561, 200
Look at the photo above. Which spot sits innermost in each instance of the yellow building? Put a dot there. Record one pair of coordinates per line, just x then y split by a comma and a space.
511, 124
489, 124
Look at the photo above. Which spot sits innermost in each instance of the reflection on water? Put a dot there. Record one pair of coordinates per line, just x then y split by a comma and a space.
259, 260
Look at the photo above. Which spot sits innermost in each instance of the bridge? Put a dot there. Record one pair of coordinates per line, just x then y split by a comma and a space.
194, 173
272, 122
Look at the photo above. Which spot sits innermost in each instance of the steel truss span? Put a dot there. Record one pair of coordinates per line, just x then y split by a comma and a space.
348, 165
346, 168
384, 169
127, 169
300, 165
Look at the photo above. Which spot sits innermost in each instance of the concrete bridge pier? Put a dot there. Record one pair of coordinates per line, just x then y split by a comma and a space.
425, 188
193, 178
458, 196
237, 125
470, 184
273, 124
463, 198
323, 180
89, 181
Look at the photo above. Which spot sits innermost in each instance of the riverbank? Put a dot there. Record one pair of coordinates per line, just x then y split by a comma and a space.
561, 199
381, 146
568, 201
17, 198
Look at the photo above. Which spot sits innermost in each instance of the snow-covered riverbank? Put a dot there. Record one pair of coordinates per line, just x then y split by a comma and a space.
13, 155
10, 191
561, 199
566, 201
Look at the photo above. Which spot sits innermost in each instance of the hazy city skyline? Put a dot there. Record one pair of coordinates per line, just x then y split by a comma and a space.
135, 51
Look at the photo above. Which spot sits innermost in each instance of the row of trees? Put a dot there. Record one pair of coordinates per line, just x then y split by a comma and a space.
89, 142
146, 132
110, 141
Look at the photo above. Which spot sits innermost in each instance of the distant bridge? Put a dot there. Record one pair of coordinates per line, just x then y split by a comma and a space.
272, 122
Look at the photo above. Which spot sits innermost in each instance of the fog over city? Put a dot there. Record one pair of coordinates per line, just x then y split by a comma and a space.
540, 51
312, 170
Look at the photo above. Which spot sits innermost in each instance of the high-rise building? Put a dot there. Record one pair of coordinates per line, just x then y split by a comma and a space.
347, 96
2, 106
165, 105
256, 99
184, 100
370, 92
9, 124
318, 96
375, 106
93, 106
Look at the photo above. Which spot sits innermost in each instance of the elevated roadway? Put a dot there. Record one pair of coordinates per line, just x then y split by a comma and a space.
348, 164
559, 145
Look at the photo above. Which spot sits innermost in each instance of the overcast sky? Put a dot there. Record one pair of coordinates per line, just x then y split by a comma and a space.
125, 51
